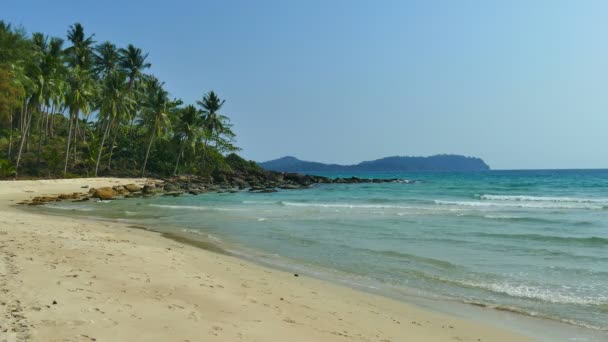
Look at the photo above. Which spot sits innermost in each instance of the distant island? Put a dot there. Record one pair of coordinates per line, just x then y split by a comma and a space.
443, 162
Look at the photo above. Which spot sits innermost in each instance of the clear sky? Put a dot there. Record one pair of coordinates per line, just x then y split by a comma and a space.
522, 84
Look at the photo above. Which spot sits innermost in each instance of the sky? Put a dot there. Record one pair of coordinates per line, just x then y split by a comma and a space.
521, 84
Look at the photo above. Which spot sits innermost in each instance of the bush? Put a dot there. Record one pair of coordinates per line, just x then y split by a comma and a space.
237, 163
6, 169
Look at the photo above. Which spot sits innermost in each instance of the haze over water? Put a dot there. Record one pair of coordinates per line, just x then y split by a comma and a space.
534, 242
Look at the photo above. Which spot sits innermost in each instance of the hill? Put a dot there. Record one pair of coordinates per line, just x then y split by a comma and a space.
444, 162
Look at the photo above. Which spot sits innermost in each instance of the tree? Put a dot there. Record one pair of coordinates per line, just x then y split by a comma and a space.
106, 58
187, 131
133, 61
155, 116
115, 99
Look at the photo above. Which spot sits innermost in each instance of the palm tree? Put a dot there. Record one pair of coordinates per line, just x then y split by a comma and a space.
187, 130
133, 61
212, 121
80, 95
107, 57
80, 59
155, 114
114, 100
80, 53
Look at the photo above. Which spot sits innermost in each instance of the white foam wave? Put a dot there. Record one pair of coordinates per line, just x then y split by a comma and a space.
192, 207
260, 202
69, 207
344, 205
532, 205
544, 294
522, 198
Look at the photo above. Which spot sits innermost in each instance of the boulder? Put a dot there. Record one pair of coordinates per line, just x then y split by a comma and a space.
132, 188
171, 187
121, 190
104, 193
149, 189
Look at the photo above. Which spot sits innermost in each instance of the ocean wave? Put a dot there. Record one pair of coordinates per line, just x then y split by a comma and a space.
401, 255
69, 207
538, 293
523, 198
587, 241
531, 205
261, 202
192, 207
344, 205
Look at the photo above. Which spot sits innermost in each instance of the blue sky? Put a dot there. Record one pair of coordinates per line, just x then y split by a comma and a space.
522, 84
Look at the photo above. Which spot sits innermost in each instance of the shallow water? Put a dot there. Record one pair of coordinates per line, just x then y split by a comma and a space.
534, 242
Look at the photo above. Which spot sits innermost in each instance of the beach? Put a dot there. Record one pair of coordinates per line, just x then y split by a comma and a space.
66, 279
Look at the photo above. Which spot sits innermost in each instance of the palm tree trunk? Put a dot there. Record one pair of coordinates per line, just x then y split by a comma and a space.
103, 140
143, 170
181, 151
112, 150
40, 124
67, 151
28, 121
10, 138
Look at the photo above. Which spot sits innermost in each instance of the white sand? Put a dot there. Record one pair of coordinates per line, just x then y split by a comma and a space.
114, 283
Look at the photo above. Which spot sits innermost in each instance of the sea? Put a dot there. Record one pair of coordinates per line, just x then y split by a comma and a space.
530, 243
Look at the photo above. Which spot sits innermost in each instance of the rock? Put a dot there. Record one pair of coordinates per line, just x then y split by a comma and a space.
291, 187
173, 193
171, 187
132, 188
105, 193
43, 199
69, 196
149, 189
121, 190
85, 186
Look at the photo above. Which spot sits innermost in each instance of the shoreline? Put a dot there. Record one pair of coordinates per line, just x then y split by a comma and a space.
425, 325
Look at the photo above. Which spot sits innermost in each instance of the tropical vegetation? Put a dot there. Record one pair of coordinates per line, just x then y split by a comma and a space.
78, 107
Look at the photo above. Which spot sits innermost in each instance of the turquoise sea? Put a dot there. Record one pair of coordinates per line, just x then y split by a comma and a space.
530, 242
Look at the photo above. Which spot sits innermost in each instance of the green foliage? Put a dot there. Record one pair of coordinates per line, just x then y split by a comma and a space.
6, 169
88, 108
237, 163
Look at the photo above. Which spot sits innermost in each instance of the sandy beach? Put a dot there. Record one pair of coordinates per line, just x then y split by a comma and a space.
66, 279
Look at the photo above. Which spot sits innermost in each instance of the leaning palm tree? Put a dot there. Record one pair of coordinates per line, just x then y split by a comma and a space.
155, 115
114, 100
187, 130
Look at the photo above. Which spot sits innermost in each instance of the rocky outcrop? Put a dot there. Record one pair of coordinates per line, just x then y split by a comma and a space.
220, 182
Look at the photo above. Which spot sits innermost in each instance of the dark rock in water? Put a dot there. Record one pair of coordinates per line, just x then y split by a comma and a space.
173, 193
84, 199
291, 186
266, 191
